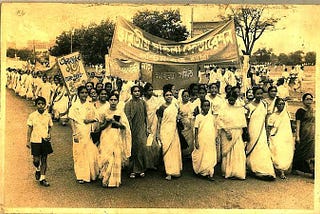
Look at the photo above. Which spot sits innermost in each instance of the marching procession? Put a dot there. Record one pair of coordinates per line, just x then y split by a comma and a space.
126, 128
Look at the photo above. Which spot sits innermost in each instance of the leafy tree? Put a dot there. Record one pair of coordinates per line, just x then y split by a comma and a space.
92, 42
310, 58
261, 56
274, 59
296, 58
250, 24
165, 24
11, 52
23, 54
63, 44
283, 59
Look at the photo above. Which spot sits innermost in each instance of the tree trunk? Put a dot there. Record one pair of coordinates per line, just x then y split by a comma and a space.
246, 82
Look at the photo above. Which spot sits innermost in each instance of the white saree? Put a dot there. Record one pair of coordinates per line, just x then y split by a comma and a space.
258, 153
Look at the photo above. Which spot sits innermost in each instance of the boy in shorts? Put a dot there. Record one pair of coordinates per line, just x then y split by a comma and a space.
38, 139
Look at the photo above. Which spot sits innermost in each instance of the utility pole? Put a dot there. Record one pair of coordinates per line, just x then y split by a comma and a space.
72, 31
191, 22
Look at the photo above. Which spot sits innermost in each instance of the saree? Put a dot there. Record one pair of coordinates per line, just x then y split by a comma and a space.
258, 153
304, 153
217, 103
114, 150
281, 140
152, 151
171, 149
85, 153
233, 151
136, 113
187, 132
204, 159
60, 102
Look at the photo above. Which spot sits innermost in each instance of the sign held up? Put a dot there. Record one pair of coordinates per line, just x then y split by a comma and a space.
73, 72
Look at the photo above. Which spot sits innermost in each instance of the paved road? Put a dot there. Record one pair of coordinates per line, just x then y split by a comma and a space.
153, 191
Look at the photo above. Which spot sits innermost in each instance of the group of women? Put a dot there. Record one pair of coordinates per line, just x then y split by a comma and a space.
249, 134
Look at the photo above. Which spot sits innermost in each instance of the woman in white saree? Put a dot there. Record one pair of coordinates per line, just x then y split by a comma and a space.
85, 153
153, 148
281, 139
204, 156
167, 134
231, 122
258, 154
115, 143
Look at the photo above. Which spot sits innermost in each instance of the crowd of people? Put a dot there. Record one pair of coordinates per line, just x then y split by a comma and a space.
120, 124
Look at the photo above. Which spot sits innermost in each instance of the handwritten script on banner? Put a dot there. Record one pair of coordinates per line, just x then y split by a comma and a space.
73, 71
216, 45
179, 75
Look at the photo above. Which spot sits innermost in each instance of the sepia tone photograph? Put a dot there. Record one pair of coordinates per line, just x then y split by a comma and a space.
158, 108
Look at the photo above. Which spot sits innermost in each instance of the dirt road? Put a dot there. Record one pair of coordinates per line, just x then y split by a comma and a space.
153, 191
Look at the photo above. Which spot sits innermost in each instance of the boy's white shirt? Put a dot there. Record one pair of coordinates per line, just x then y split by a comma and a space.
40, 125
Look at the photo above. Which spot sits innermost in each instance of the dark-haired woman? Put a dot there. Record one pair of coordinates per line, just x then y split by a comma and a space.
280, 137
186, 114
115, 143
85, 153
305, 136
270, 100
60, 101
136, 112
167, 134
258, 154
231, 122
152, 104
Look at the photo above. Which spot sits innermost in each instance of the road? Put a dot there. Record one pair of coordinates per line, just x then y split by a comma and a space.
153, 191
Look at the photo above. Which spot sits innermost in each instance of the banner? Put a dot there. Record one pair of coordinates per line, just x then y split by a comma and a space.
146, 70
40, 67
127, 70
73, 72
95, 74
179, 75
216, 45
52, 61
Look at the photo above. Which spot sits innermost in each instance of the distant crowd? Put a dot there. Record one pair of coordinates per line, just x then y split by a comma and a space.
120, 124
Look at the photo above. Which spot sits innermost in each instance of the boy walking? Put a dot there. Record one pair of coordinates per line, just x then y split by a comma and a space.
38, 139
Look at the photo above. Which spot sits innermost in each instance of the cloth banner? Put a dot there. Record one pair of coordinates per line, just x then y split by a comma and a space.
52, 61
72, 70
127, 70
181, 76
216, 45
95, 74
40, 67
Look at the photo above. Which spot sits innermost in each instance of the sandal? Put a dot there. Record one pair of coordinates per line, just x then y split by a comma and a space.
168, 178
132, 175
210, 178
80, 181
142, 175
44, 183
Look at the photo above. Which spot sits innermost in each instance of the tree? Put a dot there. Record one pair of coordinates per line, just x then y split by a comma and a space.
261, 56
310, 58
165, 24
63, 44
250, 24
296, 58
11, 52
92, 42
283, 59
23, 54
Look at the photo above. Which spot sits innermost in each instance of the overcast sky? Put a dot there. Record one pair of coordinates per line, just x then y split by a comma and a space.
44, 21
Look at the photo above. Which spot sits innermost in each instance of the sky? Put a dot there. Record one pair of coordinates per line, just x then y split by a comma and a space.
44, 21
